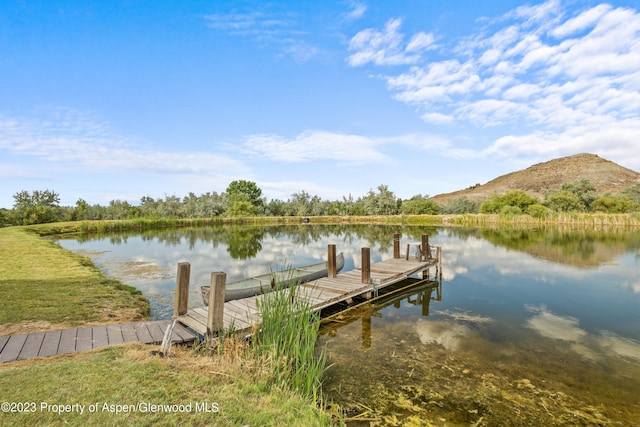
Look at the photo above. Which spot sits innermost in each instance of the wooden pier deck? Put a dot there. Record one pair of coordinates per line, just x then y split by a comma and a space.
242, 315
53, 343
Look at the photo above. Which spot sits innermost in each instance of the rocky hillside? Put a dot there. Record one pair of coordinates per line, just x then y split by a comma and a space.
606, 175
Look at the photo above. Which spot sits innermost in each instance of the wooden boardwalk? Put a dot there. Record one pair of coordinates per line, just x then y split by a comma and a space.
52, 343
242, 314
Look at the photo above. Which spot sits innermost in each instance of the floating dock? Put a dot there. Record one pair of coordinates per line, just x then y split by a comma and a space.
243, 315
53, 343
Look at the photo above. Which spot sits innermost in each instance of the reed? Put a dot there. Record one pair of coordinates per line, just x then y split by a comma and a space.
563, 219
287, 340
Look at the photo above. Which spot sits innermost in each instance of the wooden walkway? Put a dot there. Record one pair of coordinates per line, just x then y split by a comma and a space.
52, 343
242, 314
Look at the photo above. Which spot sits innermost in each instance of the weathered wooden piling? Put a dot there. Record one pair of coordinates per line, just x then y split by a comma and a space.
366, 265
181, 303
331, 261
215, 318
426, 251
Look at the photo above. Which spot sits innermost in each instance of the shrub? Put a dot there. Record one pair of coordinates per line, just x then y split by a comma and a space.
538, 211
611, 204
517, 198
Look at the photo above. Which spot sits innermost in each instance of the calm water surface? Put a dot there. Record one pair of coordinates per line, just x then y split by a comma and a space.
527, 327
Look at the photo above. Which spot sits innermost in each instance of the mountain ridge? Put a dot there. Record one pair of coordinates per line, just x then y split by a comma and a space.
606, 176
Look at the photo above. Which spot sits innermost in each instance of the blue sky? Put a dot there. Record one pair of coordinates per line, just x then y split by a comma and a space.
125, 99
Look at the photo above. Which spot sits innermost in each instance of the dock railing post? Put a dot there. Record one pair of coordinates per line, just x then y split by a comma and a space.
215, 316
181, 303
396, 246
331, 261
366, 265
425, 247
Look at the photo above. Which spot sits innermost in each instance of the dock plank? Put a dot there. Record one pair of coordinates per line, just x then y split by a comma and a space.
3, 341
184, 334
50, 343
156, 331
114, 334
142, 332
31, 347
12, 348
67, 341
99, 336
128, 332
84, 339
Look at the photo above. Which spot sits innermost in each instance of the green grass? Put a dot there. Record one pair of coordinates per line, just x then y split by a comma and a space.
44, 286
41, 282
287, 339
127, 375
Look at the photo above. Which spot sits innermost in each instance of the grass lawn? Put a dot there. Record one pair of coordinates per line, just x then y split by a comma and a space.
199, 391
43, 286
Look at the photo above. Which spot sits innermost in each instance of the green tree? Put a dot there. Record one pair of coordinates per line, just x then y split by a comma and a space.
81, 211
418, 205
38, 207
240, 207
563, 201
584, 189
244, 198
4, 217
382, 203
632, 192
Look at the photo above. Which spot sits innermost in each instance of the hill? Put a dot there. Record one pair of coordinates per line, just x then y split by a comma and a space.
606, 176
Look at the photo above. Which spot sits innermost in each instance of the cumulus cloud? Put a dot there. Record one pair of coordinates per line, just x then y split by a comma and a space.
568, 81
589, 345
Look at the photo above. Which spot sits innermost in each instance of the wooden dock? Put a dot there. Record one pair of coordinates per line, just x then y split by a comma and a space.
53, 343
242, 315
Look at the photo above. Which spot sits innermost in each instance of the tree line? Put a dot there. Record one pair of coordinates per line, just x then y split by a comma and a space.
244, 198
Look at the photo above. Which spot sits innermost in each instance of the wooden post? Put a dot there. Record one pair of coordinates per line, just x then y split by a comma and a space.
366, 265
331, 261
425, 247
396, 246
215, 317
408, 248
182, 289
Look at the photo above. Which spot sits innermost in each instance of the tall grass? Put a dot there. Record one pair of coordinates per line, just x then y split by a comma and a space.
287, 339
564, 219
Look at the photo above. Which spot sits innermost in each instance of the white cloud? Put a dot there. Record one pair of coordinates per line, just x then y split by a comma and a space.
77, 141
317, 145
421, 41
566, 80
267, 28
437, 118
386, 47
357, 12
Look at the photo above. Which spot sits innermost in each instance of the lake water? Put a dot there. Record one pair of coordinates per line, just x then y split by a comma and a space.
528, 327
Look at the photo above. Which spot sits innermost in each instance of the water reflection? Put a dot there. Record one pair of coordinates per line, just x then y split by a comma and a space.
414, 292
530, 327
